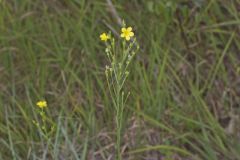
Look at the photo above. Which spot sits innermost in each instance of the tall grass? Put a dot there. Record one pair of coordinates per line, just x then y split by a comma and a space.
184, 101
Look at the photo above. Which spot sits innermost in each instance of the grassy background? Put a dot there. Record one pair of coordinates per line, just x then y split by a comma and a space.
184, 83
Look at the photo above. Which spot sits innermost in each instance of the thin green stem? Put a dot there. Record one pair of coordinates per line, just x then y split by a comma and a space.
116, 76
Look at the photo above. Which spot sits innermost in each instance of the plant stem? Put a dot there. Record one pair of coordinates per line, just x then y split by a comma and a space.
118, 120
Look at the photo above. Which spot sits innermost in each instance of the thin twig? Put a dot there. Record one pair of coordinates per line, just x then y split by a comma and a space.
114, 13
111, 28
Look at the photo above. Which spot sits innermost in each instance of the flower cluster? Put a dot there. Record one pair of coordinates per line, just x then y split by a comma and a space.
45, 126
127, 33
104, 37
42, 104
119, 57
119, 63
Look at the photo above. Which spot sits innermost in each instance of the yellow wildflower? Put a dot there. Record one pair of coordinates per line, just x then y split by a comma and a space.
42, 104
127, 33
104, 37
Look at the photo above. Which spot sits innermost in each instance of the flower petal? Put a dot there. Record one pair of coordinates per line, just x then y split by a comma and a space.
124, 29
127, 38
129, 29
122, 35
131, 34
102, 35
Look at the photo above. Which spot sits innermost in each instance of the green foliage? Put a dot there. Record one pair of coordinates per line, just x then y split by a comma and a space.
117, 74
184, 83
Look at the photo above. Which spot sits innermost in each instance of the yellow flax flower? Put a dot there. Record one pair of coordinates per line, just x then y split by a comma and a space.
127, 33
104, 37
42, 104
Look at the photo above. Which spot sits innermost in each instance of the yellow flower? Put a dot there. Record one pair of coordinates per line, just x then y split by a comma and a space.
42, 104
104, 37
127, 33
